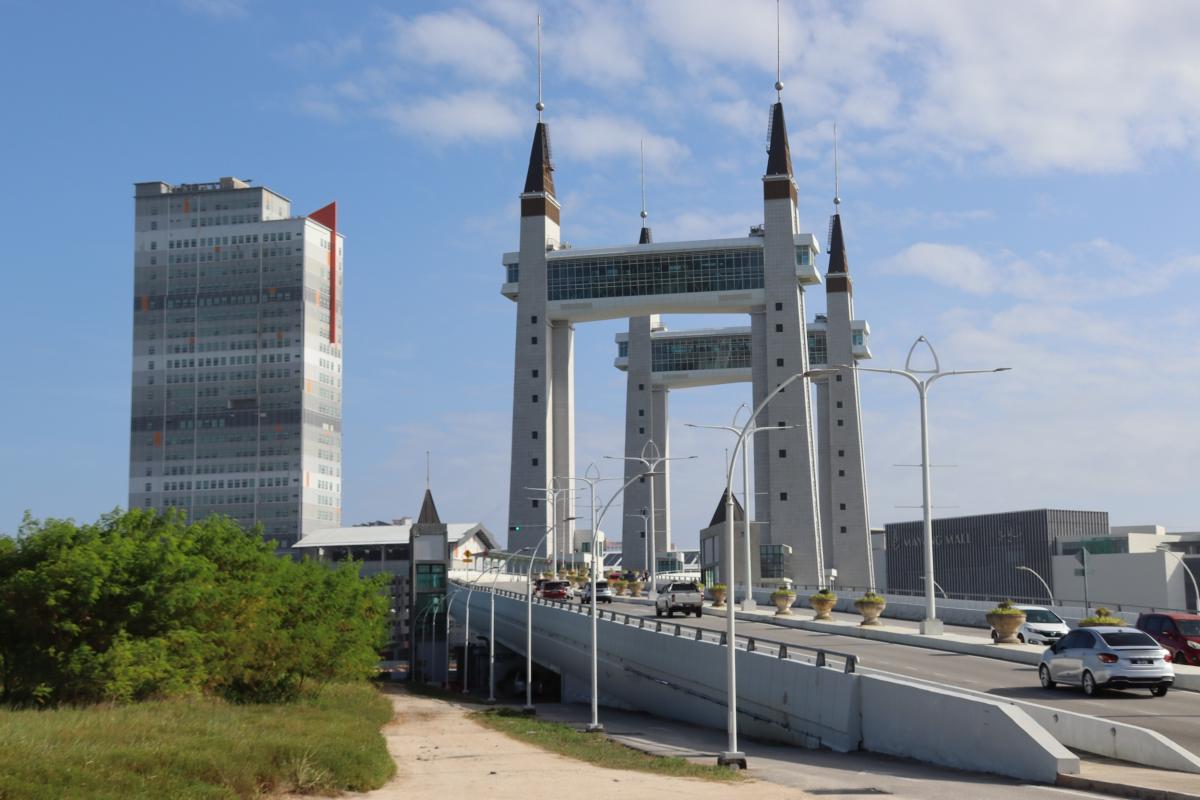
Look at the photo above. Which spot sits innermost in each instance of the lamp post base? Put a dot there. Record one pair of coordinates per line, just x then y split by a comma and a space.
491, 701
734, 759
932, 627
748, 605
529, 711
594, 727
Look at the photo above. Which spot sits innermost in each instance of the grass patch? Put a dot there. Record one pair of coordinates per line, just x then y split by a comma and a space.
201, 748
595, 748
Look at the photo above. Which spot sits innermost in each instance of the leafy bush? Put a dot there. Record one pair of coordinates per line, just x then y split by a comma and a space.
717, 587
870, 598
783, 591
1005, 608
140, 605
1102, 617
823, 595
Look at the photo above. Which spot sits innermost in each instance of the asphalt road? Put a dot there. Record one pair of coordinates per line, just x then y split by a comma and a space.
1177, 715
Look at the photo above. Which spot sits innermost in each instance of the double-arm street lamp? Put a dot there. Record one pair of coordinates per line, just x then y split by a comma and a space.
1032, 572
1162, 548
931, 624
529, 617
748, 597
651, 464
492, 631
551, 495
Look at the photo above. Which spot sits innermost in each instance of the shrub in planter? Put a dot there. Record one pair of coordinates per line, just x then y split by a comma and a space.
617, 585
870, 605
718, 594
822, 603
1005, 621
635, 588
1102, 617
783, 597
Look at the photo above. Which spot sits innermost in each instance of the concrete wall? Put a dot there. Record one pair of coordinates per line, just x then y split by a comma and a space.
1144, 579
778, 699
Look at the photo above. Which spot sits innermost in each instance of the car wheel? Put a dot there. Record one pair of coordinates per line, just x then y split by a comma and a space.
699, 611
995, 637
1021, 638
657, 611
670, 612
1089, 685
1159, 691
1180, 658
1044, 676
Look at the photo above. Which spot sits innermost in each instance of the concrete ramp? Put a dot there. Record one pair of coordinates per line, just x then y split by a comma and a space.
664, 668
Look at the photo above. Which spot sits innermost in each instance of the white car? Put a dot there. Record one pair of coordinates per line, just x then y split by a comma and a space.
1042, 626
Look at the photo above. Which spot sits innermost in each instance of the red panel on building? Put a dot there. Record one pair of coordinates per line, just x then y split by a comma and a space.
327, 216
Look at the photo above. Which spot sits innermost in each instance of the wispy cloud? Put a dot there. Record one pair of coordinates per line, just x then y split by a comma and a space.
459, 41
465, 116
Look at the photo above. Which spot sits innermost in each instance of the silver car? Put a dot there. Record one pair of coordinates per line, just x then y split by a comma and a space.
1107, 657
603, 593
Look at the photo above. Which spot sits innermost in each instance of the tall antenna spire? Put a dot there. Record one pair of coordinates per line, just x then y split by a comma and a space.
540, 105
778, 57
642, 149
426, 470
837, 195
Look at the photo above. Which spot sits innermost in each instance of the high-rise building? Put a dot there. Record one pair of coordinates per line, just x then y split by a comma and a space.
237, 357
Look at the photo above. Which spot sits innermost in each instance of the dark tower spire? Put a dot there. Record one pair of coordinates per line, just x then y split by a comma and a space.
779, 154
539, 178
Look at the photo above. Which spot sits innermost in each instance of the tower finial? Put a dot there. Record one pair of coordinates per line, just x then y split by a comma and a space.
642, 150
540, 105
427, 470
778, 57
837, 195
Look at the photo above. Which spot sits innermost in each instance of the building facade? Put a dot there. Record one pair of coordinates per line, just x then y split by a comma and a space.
237, 357
980, 554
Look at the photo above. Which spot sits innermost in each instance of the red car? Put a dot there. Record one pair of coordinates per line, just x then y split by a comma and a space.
1177, 631
556, 590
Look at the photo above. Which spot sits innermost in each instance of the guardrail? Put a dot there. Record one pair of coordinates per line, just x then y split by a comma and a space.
752, 644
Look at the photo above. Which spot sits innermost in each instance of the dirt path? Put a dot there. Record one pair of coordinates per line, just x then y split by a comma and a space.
442, 754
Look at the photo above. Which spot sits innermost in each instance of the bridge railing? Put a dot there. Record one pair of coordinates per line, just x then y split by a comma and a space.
818, 656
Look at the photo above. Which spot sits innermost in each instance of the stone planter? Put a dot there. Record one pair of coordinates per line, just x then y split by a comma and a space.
1006, 627
718, 597
870, 610
635, 588
822, 605
783, 603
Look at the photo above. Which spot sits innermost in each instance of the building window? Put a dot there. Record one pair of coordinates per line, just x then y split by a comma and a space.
779, 362
838, 377
535, 462
841, 453
783, 423
641, 430
783, 495
534, 434
779, 327
839, 403
641, 387
641, 412
779, 306
841, 423
841, 473
842, 506
535, 503
843, 529
533, 340
535, 373
783, 453
535, 398
533, 320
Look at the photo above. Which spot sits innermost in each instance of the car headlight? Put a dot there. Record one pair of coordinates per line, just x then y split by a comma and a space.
1193, 645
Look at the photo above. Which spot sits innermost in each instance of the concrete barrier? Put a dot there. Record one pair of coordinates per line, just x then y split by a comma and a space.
779, 699
957, 730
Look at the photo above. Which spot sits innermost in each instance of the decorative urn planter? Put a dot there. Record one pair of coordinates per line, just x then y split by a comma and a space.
617, 586
718, 594
822, 603
635, 588
783, 599
870, 606
1005, 621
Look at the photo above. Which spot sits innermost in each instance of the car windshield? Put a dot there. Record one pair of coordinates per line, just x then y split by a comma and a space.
599, 585
682, 587
555, 585
1189, 627
1042, 616
1128, 639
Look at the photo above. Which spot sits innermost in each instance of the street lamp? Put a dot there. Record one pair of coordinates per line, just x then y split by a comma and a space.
552, 497
449, 603
748, 598
1023, 568
651, 464
931, 624
492, 629
529, 618
1162, 548
645, 536
467, 629
937, 586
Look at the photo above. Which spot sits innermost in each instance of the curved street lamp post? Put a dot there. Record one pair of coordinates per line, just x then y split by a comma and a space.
1024, 568
931, 624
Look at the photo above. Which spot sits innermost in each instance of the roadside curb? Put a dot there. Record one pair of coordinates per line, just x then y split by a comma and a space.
1121, 789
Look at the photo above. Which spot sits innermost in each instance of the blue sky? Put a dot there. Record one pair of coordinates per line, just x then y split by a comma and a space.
1019, 185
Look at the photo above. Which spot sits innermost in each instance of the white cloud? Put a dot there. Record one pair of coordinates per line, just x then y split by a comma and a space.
949, 265
594, 137
459, 41
466, 116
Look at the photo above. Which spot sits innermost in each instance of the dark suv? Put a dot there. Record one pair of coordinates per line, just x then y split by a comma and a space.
1177, 631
